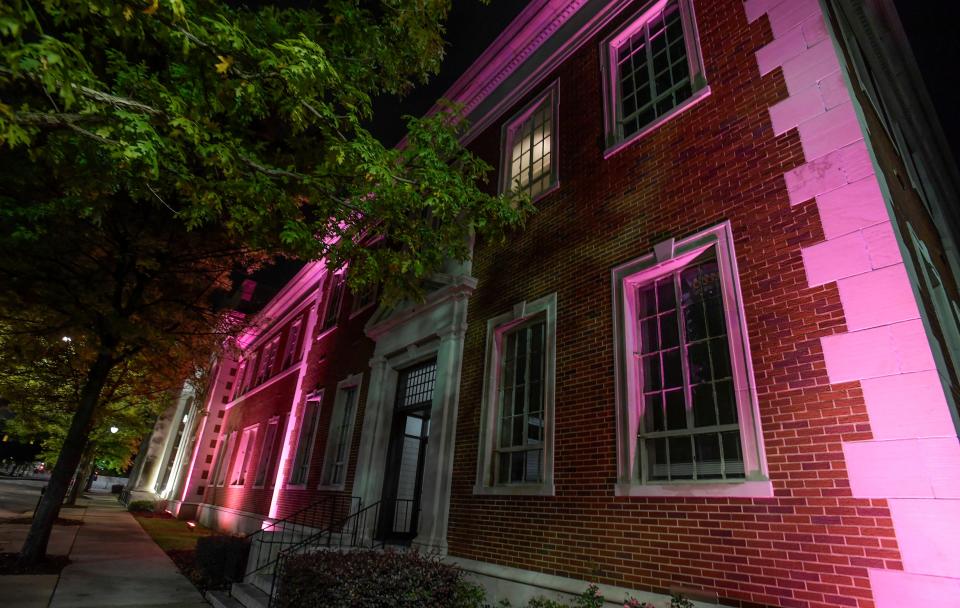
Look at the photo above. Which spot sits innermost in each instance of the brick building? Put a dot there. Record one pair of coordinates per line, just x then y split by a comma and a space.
721, 358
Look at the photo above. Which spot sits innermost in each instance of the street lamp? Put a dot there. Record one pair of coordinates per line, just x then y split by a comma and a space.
114, 429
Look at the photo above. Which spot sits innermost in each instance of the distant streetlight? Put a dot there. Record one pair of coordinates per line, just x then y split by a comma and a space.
67, 339
114, 429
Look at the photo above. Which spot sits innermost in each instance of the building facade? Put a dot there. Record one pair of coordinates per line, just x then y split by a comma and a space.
720, 359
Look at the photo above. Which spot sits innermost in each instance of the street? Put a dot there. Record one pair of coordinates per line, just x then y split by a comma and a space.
18, 496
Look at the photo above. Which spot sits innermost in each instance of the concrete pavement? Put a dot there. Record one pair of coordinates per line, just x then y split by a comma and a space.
114, 564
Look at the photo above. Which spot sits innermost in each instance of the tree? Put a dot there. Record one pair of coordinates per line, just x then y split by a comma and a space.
147, 146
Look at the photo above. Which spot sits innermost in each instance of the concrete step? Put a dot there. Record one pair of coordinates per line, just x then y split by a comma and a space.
222, 599
261, 580
249, 595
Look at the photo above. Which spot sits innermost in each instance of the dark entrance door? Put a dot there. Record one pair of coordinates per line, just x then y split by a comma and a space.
400, 506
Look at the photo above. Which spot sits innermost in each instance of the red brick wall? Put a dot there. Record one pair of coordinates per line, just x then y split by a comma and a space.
335, 354
811, 545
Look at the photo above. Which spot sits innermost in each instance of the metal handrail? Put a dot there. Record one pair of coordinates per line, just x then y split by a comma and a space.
351, 533
274, 537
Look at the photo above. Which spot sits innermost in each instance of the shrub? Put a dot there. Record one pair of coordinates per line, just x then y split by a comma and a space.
221, 559
374, 578
117, 488
142, 506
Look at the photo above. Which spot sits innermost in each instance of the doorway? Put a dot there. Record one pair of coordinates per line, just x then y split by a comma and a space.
400, 506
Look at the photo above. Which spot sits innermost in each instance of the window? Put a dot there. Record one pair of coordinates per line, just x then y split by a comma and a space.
238, 388
334, 298
341, 431
241, 464
516, 440
529, 147
250, 371
268, 359
686, 404
308, 434
363, 298
294, 346
652, 69
224, 459
267, 448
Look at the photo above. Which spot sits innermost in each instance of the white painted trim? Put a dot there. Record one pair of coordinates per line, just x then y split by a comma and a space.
339, 402
624, 277
608, 59
496, 327
550, 95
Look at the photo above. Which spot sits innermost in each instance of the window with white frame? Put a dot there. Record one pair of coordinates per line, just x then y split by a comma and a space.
241, 373
337, 454
293, 348
267, 448
248, 377
241, 464
686, 404
334, 300
305, 441
530, 147
363, 298
269, 358
226, 452
652, 68
516, 443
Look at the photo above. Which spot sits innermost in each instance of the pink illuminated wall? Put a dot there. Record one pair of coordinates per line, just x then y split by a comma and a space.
913, 459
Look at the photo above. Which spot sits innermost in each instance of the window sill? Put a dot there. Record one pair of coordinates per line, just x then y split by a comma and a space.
295, 486
697, 97
516, 490
333, 488
732, 489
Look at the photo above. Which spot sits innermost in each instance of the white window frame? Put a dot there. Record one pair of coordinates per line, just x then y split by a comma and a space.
267, 446
615, 141
226, 459
241, 464
293, 350
268, 360
669, 256
344, 388
497, 327
310, 437
334, 302
361, 301
509, 131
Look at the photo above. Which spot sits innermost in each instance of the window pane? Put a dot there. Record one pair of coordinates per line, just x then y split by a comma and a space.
534, 466
665, 295
657, 458
709, 463
653, 412
698, 357
703, 407
726, 402
676, 410
670, 334
681, 457
648, 301
732, 454
720, 358
650, 368
649, 337
672, 369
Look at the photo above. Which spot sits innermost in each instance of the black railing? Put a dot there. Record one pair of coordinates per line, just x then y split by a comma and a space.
273, 538
389, 521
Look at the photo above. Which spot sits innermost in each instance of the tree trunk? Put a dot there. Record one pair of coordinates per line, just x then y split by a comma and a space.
80, 479
35, 546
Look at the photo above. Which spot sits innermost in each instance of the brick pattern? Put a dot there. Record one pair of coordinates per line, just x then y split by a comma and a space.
730, 157
333, 355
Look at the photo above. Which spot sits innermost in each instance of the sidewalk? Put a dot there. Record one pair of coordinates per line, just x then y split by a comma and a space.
114, 564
